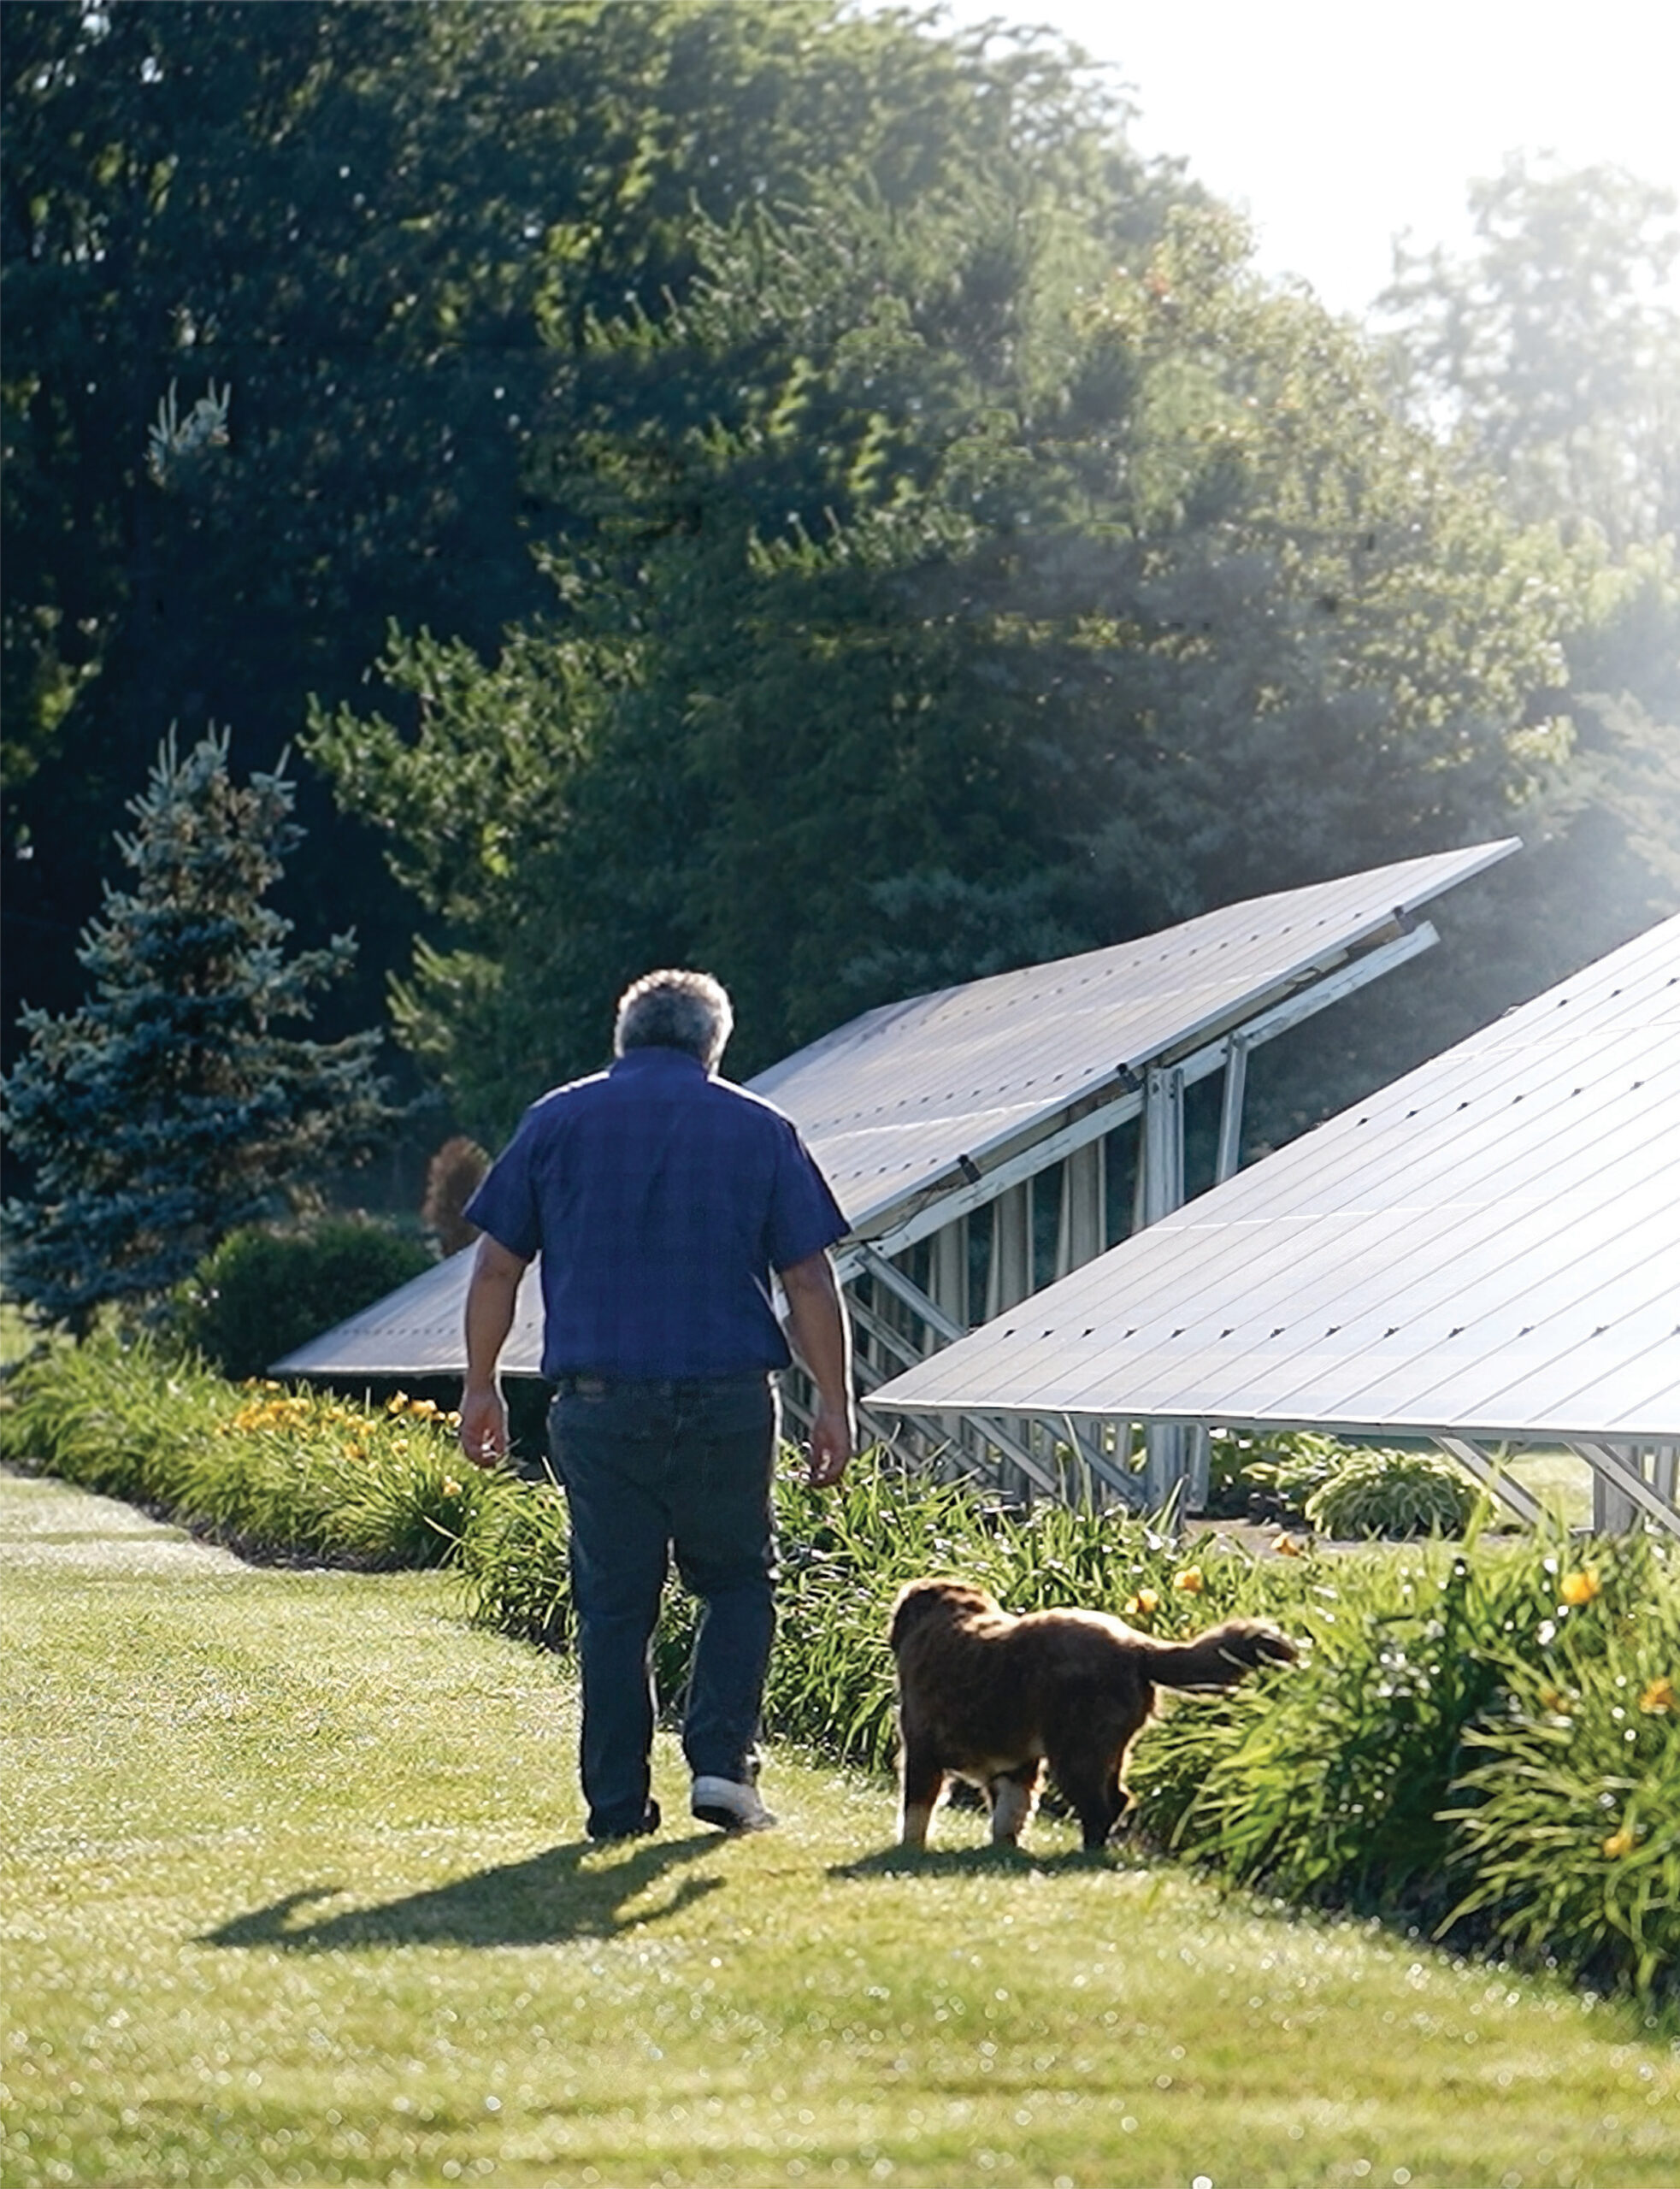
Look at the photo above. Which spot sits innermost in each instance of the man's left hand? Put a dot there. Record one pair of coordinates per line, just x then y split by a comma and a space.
832, 1439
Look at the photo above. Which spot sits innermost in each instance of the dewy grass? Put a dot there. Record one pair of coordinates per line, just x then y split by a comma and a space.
296, 1893
1408, 1766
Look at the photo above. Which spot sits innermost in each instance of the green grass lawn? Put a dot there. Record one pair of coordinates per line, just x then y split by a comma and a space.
295, 1893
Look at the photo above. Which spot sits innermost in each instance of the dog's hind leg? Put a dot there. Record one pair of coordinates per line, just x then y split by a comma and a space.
1090, 1785
1014, 1797
922, 1776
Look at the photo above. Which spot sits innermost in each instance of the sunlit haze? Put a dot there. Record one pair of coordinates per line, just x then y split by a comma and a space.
1336, 127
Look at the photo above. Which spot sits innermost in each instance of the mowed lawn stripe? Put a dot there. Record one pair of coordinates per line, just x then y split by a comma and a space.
296, 1893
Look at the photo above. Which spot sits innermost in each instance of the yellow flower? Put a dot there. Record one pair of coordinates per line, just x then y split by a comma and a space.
1189, 1581
1580, 1587
451, 1487
424, 1408
1287, 1547
1660, 1696
1620, 1843
398, 1403
1552, 1698
453, 1420
1144, 1602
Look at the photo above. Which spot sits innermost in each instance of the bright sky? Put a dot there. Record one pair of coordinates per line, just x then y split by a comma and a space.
1334, 126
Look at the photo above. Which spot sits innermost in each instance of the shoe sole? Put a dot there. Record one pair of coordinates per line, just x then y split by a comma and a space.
727, 1820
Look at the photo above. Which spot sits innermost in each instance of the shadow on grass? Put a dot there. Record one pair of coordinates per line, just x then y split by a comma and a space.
985, 1860
579, 1890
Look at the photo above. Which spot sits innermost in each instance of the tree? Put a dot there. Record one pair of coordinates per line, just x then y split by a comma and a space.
384, 230
947, 603
168, 1110
1550, 348
1551, 351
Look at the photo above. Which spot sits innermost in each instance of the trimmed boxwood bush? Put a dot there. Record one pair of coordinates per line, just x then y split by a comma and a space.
262, 1293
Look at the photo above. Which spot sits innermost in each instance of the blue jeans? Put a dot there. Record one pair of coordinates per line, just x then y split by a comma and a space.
650, 1469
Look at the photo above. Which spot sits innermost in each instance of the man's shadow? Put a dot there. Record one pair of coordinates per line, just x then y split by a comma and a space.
544, 1900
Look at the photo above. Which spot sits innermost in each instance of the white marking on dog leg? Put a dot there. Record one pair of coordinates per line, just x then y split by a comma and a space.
913, 1821
1011, 1806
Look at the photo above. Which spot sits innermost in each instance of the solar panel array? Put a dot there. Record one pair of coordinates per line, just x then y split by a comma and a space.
894, 1103
889, 1101
1489, 1246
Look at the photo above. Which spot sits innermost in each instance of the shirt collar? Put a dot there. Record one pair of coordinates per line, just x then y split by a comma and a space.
637, 1063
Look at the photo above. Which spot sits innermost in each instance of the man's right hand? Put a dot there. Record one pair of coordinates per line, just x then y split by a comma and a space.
492, 1289
484, 1427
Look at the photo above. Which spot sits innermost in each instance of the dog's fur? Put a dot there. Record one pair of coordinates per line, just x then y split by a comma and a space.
990, 1698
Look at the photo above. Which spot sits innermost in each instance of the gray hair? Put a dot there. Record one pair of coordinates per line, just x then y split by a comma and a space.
672, 1010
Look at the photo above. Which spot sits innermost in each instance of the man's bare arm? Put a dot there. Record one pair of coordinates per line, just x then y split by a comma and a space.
823, 1339
491, 1292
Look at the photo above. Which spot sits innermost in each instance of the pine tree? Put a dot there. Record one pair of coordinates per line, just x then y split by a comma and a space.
167, 1111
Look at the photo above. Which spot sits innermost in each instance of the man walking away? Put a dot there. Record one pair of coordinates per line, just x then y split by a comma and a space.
661, 1198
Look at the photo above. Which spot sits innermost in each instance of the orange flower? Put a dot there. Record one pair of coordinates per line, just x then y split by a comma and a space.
1189, 1581
1660, 1696
1287, 1547
1144, 1602
1580, 1587
1553, 1698
1620, 1843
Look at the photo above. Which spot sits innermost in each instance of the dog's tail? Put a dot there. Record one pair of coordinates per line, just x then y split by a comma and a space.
1220, 1657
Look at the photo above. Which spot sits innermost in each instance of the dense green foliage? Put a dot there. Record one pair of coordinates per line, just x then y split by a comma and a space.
262, 1293
1494, 1735
1485, 1740
271, 1470
380, 231
170, 1108
934, 621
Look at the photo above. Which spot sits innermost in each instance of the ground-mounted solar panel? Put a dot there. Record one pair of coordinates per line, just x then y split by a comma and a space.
919, 1109
1486, 1251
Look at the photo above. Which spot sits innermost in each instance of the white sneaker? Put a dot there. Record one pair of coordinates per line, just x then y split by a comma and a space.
726, 1802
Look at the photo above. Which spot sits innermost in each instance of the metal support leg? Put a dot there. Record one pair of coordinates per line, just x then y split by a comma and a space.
1229, 1155
1176, 1459
1620, 1486
1488, 1472
940, 1324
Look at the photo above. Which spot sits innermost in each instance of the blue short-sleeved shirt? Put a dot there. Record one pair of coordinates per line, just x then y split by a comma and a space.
660, 1200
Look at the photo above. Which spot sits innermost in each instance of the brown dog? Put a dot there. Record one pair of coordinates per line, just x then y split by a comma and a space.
990, 1698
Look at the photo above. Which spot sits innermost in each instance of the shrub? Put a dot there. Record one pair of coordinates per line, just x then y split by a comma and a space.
1270, 1477
263, 1293
1565, 1835
1394, 1493
267, 1469
1328, 1783
169, 1108
452, 1176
